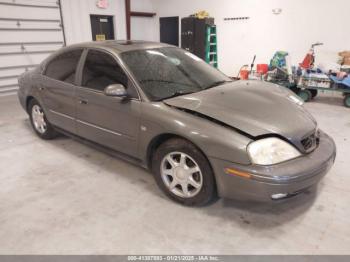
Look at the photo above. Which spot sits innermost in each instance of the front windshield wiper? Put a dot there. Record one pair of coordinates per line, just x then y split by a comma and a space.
163, 81
217, 83
177, 93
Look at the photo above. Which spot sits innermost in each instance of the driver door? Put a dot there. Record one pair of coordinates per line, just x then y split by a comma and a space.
110, 121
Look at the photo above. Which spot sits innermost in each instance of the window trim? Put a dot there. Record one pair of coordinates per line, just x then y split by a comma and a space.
81, 64
51, 59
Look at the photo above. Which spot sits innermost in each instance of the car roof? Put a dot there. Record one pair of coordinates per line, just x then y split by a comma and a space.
116, 46
120, 46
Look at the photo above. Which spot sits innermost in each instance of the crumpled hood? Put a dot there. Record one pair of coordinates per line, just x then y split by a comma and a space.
254, 107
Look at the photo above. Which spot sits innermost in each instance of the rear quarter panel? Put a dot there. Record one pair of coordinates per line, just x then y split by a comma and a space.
28, 86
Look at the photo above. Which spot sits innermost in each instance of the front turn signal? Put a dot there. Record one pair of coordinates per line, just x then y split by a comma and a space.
234, 172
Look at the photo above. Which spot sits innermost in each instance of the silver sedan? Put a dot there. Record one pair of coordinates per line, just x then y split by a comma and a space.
201, 134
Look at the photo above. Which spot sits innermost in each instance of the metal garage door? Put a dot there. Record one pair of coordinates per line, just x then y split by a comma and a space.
29, 31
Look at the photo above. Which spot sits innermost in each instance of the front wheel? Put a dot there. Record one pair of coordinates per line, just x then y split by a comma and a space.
347, 100
305, 94
39, 121
184, 173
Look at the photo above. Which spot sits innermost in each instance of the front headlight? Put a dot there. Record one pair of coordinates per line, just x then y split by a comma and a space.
272, 150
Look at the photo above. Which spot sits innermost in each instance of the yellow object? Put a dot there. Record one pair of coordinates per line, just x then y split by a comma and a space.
231, 171
100, 37
202, 14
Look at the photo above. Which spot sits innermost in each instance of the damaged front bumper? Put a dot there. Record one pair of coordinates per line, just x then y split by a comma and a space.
266, 183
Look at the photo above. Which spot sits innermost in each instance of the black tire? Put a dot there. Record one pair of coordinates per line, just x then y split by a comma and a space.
305, 94
50, 132
347, 100
295, 89
207, 192
314, 93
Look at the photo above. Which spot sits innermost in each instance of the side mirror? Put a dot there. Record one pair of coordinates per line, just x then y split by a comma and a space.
115, 90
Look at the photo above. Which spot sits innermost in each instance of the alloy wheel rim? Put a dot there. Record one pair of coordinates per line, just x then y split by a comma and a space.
181, 174
38, 118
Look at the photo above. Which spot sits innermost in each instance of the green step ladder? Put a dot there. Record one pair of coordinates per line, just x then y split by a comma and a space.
211, 50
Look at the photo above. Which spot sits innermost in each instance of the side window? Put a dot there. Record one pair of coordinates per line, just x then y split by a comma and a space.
63, 67
101, 70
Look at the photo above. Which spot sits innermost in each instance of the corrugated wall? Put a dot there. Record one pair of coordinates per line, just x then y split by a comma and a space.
29, 31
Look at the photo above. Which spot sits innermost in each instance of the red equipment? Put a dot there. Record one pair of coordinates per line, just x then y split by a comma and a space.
244, 73
262, 69
309, 59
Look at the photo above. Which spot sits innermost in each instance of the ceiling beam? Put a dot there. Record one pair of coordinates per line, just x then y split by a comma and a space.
142, 14
128, 19
129, 14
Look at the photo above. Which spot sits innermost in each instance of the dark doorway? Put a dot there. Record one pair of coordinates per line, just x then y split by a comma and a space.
102, 27
169, 30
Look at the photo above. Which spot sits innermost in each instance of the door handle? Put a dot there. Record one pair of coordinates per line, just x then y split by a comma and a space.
83, 102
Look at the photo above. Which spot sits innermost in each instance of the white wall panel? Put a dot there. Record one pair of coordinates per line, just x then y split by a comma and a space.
76, 18
28, 48
29, 12
30, 24
76, 21
142, 28
10, 72
27, 30
17, 60
46, 3
300, 24
30, 36
10, 81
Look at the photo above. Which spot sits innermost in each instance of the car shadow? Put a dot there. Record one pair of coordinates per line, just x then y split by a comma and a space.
263, 214
102, 161
241, 213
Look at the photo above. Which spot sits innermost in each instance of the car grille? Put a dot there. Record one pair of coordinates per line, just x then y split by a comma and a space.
311, 142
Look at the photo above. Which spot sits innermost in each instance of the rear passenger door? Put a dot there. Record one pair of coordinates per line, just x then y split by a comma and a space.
58, 89
109, 121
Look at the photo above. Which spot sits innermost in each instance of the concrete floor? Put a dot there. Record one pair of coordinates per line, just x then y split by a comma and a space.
62, 197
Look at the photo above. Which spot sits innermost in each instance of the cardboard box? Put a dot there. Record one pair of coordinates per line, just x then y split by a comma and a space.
344, 54
346, 61
345, 57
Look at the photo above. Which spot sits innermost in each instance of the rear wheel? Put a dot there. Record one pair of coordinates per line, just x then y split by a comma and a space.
305, 94
39, 121
184, 173
314, 93
347, 100
294, 88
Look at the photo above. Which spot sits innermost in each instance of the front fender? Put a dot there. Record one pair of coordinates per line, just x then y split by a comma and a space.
211, 138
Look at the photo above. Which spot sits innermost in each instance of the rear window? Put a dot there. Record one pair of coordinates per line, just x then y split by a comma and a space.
63, 67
